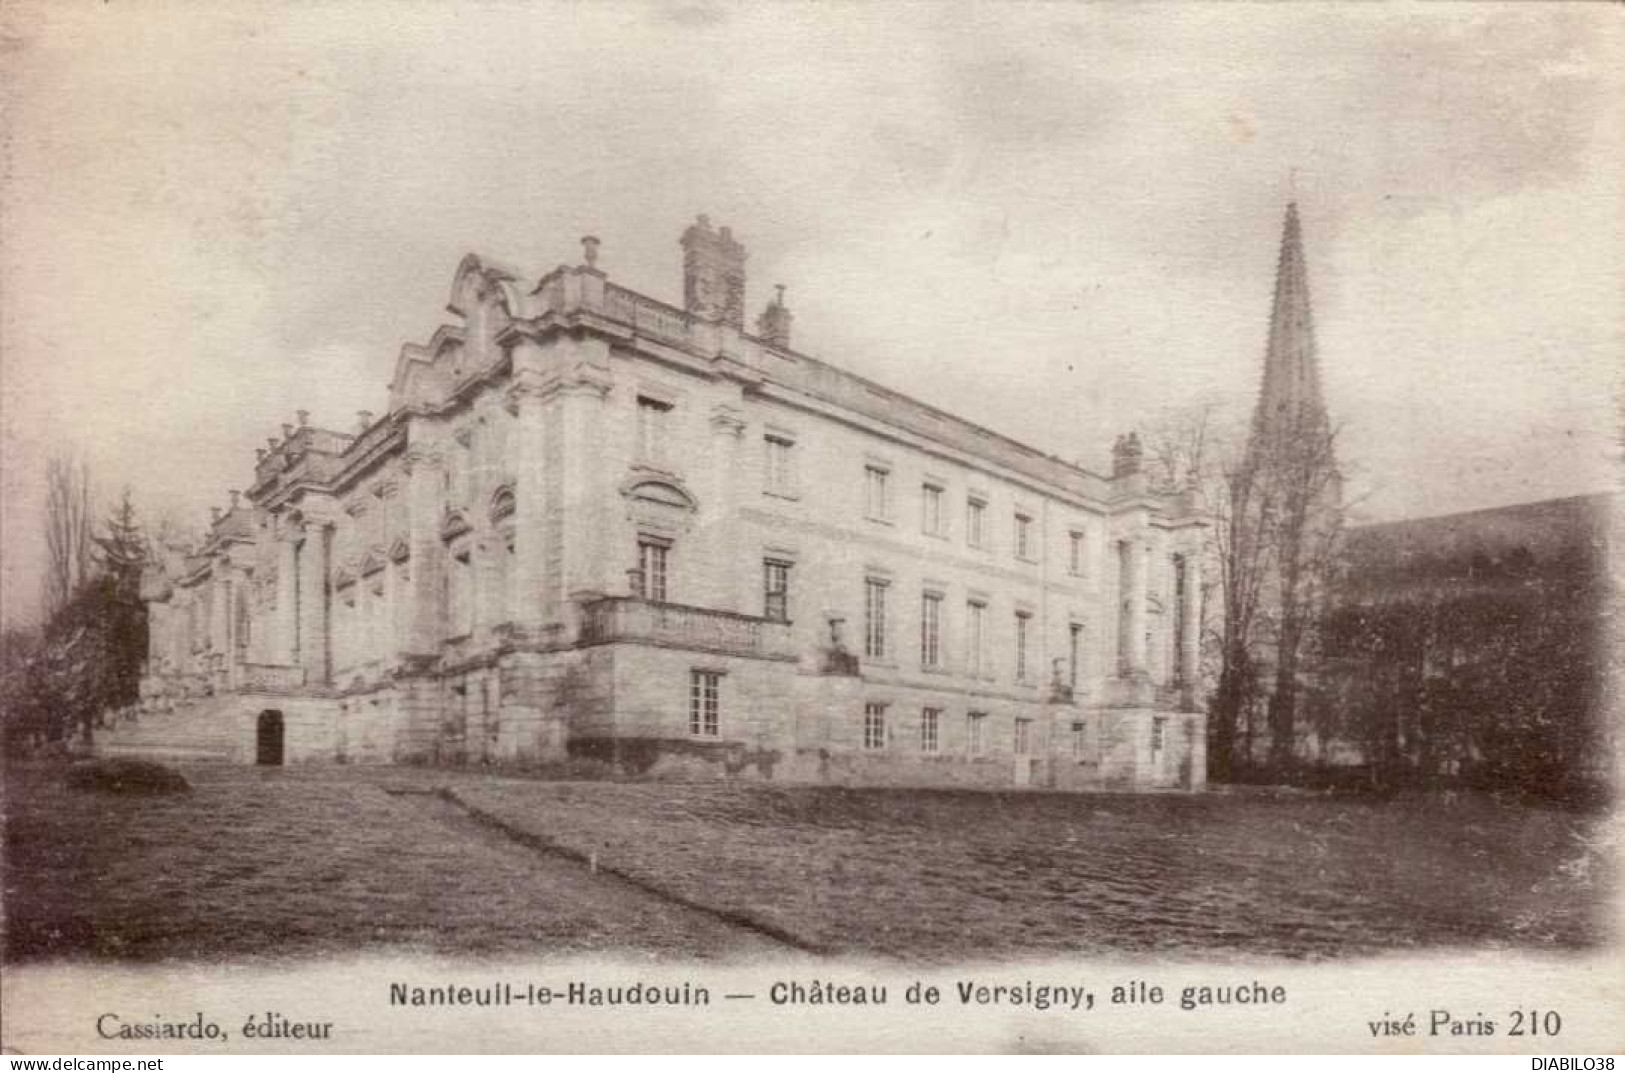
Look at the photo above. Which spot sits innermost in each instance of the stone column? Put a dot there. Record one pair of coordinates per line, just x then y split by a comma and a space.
285, 647
158, 627
529, 604
424, 615
313, 603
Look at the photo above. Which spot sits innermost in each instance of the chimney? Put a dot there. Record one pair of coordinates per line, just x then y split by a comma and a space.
1126, 456
713, 274
773, 326
589, 251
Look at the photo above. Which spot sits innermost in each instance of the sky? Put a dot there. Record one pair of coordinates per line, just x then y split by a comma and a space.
1058, 220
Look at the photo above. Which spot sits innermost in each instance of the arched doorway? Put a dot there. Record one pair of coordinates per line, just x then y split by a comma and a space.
268, 739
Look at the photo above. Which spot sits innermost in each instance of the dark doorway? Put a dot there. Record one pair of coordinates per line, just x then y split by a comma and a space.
268, 739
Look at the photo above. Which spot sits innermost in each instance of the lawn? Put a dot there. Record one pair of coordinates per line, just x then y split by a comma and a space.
947, 875
291, 862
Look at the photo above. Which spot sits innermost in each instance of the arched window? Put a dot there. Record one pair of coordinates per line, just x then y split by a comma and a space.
374, 627
502, 505
503, 567
455, 532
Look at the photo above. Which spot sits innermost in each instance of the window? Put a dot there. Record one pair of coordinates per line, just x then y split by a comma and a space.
975, 733
975, 522
652, 555
781, 476
931, 510
1024, 536
1125, 605
458, 581
874, 611
776, 590
1079, 752
704, 689
1023, 744
1182, 673
1023, 621
975, 637
876, 493
931, 630
874, 726
654, 419
1074, 558
930, 721
1074, 653
1159, 734
374, 633
460, 593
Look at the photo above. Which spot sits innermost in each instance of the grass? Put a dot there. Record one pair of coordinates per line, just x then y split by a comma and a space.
256, 863
945, 875
289, 863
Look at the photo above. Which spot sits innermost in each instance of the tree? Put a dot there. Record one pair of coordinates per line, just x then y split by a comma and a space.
67, 531
122, 555
1272, 500
86, 658
1293, 466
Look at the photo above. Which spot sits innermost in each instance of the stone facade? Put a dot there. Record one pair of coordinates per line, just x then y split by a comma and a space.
591, 524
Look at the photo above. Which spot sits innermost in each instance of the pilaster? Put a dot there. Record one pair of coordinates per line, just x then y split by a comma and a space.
1138, 554
720, 504
579, 402
426, 567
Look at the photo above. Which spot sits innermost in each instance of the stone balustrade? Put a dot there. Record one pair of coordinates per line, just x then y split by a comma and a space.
271, 678
647, 316
624, 618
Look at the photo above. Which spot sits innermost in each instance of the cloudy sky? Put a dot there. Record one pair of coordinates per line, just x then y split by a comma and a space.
1056, 220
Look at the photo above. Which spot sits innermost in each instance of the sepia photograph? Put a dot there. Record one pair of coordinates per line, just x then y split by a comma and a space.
703, 526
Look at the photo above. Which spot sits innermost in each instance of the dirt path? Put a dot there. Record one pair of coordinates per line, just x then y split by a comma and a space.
643, 918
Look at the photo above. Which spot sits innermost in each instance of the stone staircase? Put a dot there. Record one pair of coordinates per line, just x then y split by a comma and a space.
205, 730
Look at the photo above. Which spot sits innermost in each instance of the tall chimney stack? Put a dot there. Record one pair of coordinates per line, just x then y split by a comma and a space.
1127, 455
713, 274
773, 326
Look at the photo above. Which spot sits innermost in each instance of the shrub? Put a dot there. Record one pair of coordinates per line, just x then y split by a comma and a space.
120, 776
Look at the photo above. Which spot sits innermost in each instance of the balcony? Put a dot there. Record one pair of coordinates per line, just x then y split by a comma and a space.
271, 678
649, 317
698, 629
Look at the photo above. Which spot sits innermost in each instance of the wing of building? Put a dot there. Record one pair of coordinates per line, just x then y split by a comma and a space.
591, 524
